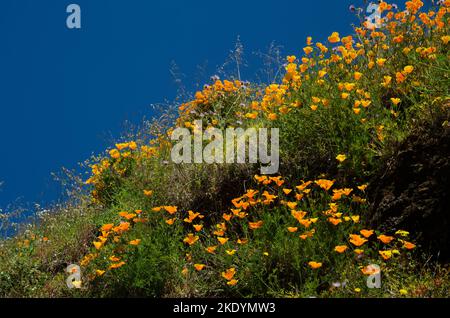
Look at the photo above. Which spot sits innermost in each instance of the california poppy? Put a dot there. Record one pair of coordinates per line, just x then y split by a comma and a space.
314, 265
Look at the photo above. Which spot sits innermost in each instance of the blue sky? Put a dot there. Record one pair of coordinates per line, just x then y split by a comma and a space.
63, 92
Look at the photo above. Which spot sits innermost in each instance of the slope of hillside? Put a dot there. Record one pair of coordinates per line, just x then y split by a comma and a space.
146, 226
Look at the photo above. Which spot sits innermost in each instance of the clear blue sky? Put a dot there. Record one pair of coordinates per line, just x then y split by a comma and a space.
62, 92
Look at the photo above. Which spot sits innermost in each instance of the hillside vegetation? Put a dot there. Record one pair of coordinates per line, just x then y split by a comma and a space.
145, 226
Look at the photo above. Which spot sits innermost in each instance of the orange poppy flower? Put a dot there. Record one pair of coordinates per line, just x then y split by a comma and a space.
292, 229
324, 184
229, 273
255, 225
334, 221
305, 222
408, 245
114, 259
385, 239
223, 240
148, 193
334, 37
107, 227
191, 239
357, 240
198, 227
199, 267
314, 265
135, 242
98, 245
291, 205
366, 233
242, 241
171, 209
171, 221
341, 248
227, 217
117, 265
211, 249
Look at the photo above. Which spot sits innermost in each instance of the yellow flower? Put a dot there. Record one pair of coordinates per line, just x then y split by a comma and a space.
387, 81
358, 290
287, 191
403, 292
199, 267
291, 59
366, 103
230, 252
99, 272
395, 101
322, 73
115, 154
356, 110
223, 240
98, 245
341, 158
445, 39
363, 187
381, 61
292, 229
402, 233
408, 69
232, 282
148, 193
291, 205
314, 265
385, 254
345, 95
